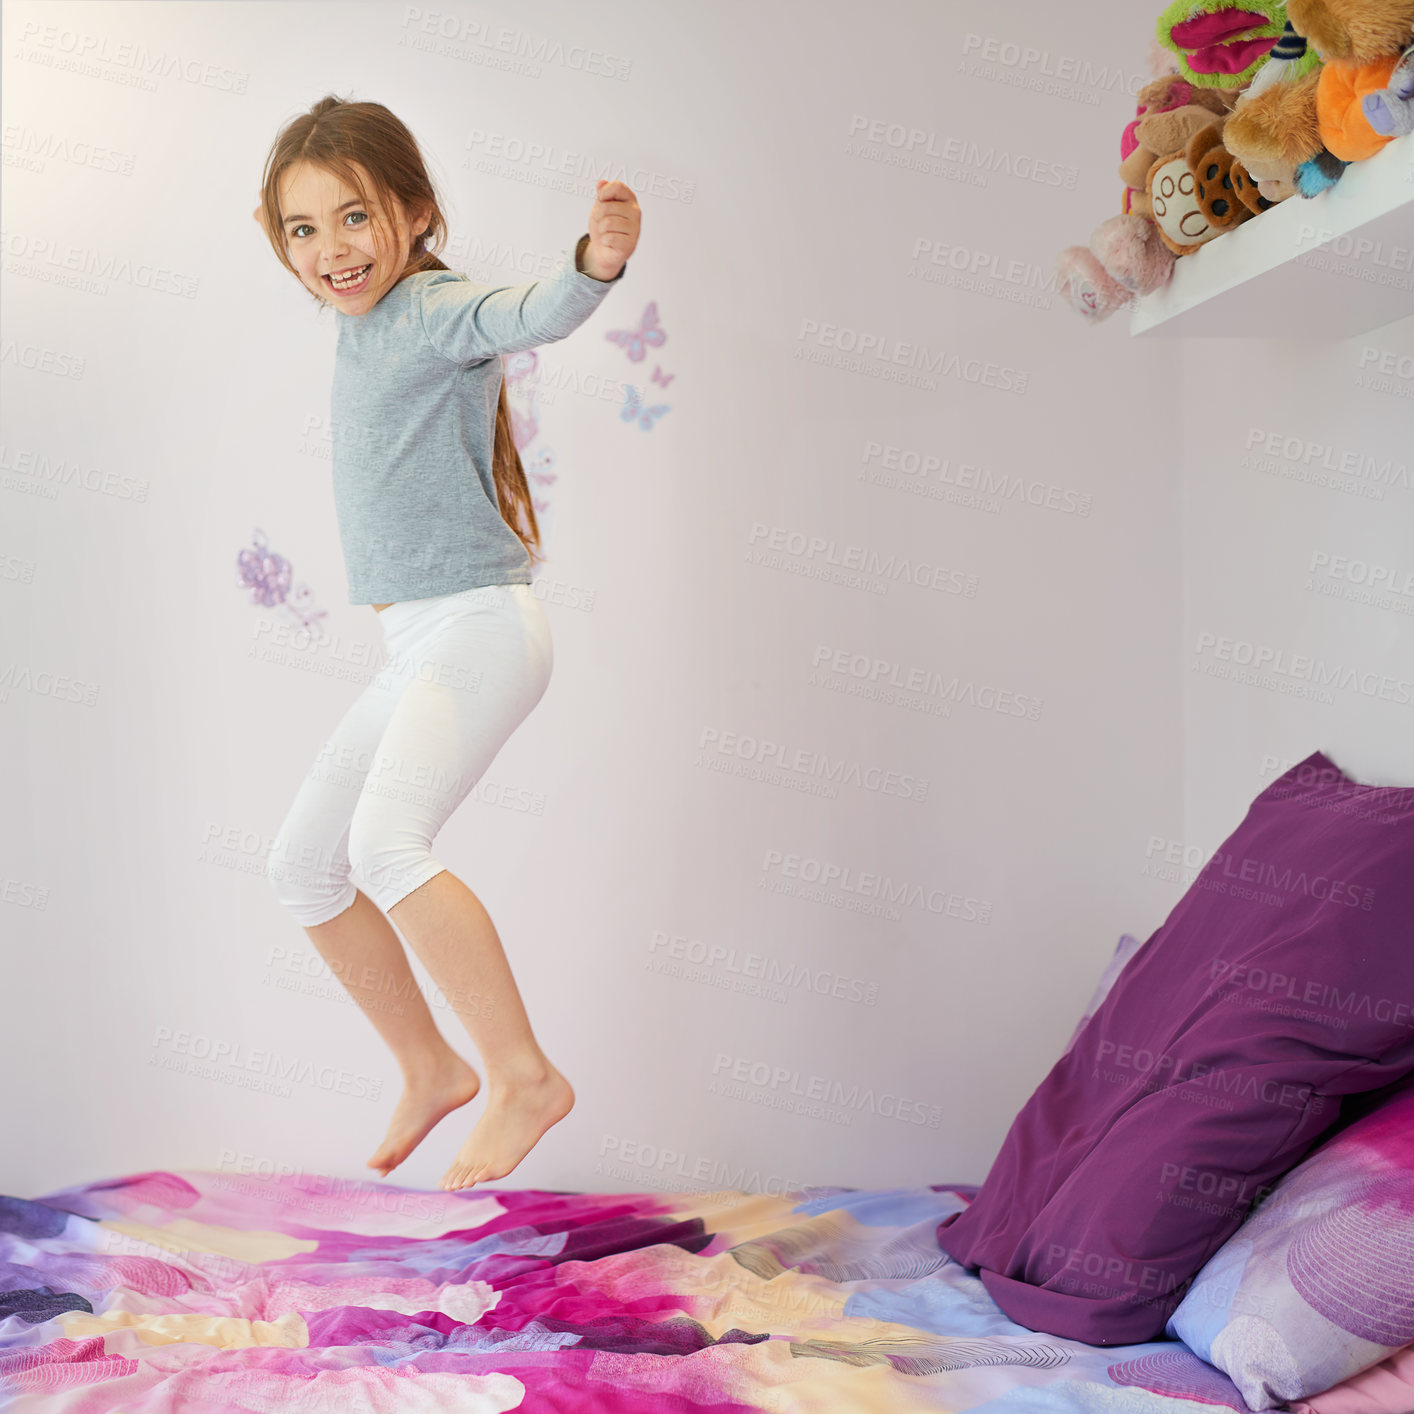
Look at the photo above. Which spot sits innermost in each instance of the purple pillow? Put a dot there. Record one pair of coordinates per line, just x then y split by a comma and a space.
1280, 982
1318, 1283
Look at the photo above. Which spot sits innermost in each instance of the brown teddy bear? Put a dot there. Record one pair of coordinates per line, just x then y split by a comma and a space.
1212, 174
1169, 110
1247, 189
1191, 193
1353, 29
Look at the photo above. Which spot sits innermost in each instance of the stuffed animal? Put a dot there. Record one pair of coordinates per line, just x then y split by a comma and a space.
1274, 131
1390, 111
1126, 257
1130, 250
1248, 192
1283, 62
1085, 284
1340, 105
1362, 44
1223, 43
1168, 111
1353, 29
1211, 164
1191, 193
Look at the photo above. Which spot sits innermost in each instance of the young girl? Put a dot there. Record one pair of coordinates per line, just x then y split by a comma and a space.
438, 532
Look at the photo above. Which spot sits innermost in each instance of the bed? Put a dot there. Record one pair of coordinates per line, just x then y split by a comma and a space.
209, 1291
1258, 1166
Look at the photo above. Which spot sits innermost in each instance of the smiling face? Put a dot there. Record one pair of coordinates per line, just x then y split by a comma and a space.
329, 230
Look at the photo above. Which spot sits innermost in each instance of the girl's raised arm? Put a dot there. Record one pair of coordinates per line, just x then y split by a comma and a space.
466, 321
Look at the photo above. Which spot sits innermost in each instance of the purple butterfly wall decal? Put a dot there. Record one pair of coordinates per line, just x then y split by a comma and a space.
634, 408
636, 342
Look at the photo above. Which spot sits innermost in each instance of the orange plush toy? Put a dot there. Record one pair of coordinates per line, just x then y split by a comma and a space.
1340, 106
1361, 42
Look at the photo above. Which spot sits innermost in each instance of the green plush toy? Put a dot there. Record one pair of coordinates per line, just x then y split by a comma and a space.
1222, 43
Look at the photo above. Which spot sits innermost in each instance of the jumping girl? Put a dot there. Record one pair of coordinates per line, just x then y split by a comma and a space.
438, 532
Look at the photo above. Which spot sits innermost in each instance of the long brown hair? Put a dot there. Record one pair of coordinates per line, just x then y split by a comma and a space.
342, 137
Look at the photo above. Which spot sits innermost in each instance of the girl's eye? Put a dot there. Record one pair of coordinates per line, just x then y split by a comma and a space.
295, 232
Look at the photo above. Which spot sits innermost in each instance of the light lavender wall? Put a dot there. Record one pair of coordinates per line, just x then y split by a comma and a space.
811, 177
1298, 561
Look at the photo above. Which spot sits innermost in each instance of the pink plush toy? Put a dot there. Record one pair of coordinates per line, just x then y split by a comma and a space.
1087, 286
1128, 246
1125, 258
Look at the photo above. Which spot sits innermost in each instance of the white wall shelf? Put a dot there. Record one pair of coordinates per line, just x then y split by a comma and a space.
1327, 267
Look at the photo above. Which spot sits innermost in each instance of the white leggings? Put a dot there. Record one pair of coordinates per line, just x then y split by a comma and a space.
463, 671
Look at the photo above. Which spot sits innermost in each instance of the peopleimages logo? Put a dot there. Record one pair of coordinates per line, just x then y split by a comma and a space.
1263, 874
809, 763
918, 143
1241, 978
128, 61
751, 967
908, 468
733, 1074
828, 879
1396, 579
60, 262
863, 351
1264, 660
1068, 75
819, 556
1268, 450
217, 1059
1213, 1084
635, 1154
943, 690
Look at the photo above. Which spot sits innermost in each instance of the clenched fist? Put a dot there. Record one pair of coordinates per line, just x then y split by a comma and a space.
613, 230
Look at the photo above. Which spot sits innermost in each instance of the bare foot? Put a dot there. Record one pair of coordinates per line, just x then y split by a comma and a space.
517, 1114
424, 1102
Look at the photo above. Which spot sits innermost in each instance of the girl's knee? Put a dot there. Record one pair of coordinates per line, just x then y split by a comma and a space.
313, 903
387, 869
313, 885
390, 873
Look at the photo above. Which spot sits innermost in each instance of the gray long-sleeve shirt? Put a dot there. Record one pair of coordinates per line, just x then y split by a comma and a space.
413, 414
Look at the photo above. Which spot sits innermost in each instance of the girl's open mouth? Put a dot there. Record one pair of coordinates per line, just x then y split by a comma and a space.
349, 281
